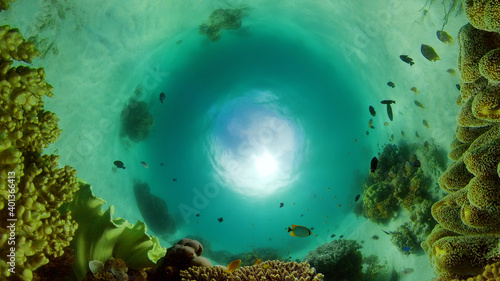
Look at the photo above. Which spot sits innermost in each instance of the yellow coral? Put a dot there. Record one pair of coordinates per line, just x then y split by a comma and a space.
489, 65
455, 177
468, 90
466, 117
469, 134
483, 160
483, 14
12, 44
486, 105
269, 270
474, 44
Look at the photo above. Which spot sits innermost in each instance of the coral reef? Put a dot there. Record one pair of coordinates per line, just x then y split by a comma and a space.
467, 236
58, 269
269, 270
33, 181
405, 240
398, 182
337, 260
100, 237
491, 273
154, 210
182, 255
220, 19
136, 120
116, 269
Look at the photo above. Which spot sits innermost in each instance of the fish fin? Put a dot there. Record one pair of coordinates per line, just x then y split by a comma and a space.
293, 234
289, 229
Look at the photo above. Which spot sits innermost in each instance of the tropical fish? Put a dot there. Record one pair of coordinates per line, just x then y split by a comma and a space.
403, 134
312, 228
220, 219
406, 249
419, 104
355, 140
119, 164
282, 204
429, 53
162, 164
373, 164
389, 111
416, 134
357, 198
451, 71
162, 97
367, 133
370, 123
387, 102
174, 179
341, 236
407, 59
258, 262
386, 123
233, 266
266, 266
386, 232
415, 90
372, 111
391, 84
408, 270
426, 123
458, 86
299, 231
444, 37
392, 137
375, 237
144, 164
333, 235
198, 214
339, 205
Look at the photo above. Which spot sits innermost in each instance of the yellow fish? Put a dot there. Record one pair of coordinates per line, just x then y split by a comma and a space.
426, 123
299, 231
370, 123
403, 134
451, 71
233, 266
266, 266
415, 90
258, 261
419, 104
386, 123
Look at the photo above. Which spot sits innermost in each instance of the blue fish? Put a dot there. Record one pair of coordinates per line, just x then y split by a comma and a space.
407, 249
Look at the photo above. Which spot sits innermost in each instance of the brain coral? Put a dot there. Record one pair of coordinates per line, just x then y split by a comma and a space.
269, 270
41, 187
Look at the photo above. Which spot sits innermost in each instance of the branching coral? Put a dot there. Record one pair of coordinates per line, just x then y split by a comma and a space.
338, 260
269, 270
41, 187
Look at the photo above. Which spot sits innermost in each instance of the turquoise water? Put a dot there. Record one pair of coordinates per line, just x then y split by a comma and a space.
290, 89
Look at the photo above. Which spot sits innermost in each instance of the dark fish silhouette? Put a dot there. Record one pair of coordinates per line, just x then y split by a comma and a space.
220, 219
282, 204
119, 164
389, 111
407, 59
373, 165
341, 236
174, 179
429, 53
333, 235
198, 214
357, 198
162, 97
387, 102
391, 84
458, 86
372, 111
444, 37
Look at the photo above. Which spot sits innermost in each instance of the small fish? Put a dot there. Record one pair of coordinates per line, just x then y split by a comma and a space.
415, 90
357, 198
258, 262
386, 123
162, 97
429, 53
355, 140
299, 231
408, 270
144, 164
375, 237
426, 124
372, 111
372, 127
416, 134
174, 179
419, 104
332, 236
458, 86
316, 235
391, 84
162, 164
293, 204
444, 37
233, 266
312, 228
392, 137
373, 164
387, 102
198, 214
341, 236
367, 133
314, 197
178, 42
220, 219
403, 134
389, 111
282, 204
388, 233
406, 249
370, 123
407, 59
266, 266
119, 164
451, 71
339, 205
301, 215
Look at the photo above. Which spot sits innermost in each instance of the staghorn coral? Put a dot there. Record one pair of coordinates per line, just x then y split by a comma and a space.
40, 186
269, 270
489, 65
483, 14
474, 44
337, 260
